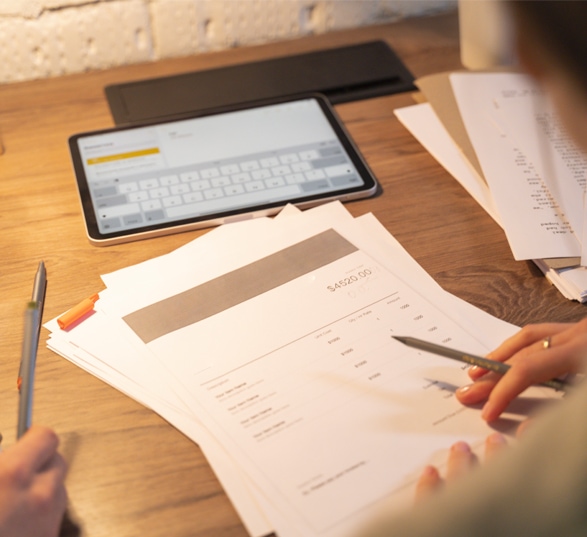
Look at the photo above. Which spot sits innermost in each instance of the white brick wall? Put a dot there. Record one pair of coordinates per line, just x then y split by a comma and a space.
43, 38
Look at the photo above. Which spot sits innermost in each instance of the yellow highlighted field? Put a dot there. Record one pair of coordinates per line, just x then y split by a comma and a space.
121, 156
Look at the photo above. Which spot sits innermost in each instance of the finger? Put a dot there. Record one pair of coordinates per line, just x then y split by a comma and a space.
520, 342
494, 444
527, 336
477, 391
428, 482
476, 372
533, 367
460, 460
36, 448
523, 427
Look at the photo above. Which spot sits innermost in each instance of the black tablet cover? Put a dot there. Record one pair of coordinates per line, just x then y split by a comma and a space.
342, 74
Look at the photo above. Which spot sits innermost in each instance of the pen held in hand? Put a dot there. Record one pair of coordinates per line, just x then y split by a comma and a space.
39, 291
30, 344
491, 365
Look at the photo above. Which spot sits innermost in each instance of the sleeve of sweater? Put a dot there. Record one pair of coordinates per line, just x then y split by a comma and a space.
536, 488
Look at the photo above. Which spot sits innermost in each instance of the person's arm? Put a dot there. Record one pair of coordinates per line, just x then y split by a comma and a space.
32, 489
535, 488
536, 353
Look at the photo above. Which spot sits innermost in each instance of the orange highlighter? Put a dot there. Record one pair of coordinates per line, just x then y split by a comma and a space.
77, 312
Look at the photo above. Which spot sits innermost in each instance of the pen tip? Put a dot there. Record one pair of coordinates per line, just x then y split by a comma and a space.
399, 338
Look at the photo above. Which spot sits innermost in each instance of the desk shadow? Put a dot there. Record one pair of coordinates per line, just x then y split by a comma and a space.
408, 420
69, 527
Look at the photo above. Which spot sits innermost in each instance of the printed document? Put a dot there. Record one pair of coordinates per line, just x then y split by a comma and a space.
289, 362
530, 206
268, 342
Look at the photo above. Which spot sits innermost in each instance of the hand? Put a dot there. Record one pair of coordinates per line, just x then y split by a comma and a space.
461, 460
32, 490
531, 363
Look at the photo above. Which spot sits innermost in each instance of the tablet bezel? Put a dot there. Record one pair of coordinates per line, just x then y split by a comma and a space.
96, 237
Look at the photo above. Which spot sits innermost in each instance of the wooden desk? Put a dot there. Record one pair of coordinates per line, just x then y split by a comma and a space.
131, 473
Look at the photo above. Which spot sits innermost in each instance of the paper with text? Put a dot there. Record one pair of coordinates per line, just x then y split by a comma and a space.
536, 224
297, 376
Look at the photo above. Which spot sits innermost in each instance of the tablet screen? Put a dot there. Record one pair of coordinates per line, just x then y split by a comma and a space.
203, 170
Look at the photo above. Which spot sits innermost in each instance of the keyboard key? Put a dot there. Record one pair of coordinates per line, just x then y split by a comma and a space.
110, 223
118, 210
105, 192
220, 181
132, 219
254, 186
159, 192
192, 197
111, 202
303, 166
309, 155
234, 189
295, 178
209, 173
249, 166
180, 189
168, 180
153, 216
146, 184
229, 169
330, 151
281, 170
269, 162
330, 161
171, 201
188, 177
125, 188
151, 205
241, 178
345, 180
315, 174
200, 185
312, 186
289, 158
213, 193
261, 174
141, 195
275, 181
338, 171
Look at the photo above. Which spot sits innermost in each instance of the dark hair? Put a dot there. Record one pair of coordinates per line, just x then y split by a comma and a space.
561, 26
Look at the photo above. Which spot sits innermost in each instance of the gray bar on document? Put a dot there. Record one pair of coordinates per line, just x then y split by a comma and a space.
238, 286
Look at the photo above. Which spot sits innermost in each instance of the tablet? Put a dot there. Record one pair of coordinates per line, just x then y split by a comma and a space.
250, 160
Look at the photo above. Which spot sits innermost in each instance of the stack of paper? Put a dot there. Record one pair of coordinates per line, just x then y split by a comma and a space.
268, 342
498, 135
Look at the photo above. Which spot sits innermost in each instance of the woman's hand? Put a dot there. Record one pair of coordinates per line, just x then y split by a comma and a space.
536, 353
461, 460
32, 490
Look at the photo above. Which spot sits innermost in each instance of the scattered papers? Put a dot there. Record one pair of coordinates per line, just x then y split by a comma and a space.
268, 342
516, 165
532, 179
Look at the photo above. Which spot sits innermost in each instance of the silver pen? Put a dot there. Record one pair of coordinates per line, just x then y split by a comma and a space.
30, 345
38, 296
485, 363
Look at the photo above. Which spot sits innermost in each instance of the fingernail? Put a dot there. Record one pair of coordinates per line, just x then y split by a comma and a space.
464, 389
429, 471
486, 411
462, 446
497, 438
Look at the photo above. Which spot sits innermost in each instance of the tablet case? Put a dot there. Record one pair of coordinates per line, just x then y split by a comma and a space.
342, 74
